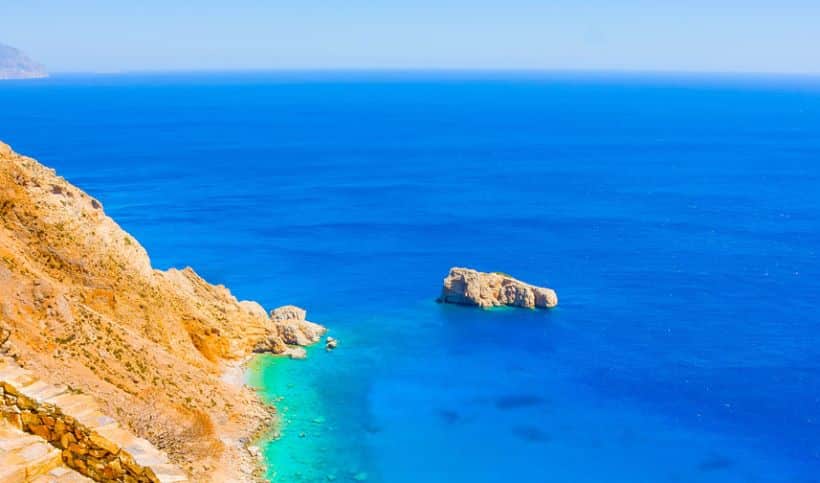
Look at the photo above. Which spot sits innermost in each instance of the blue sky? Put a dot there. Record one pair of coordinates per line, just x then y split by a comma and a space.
691, 35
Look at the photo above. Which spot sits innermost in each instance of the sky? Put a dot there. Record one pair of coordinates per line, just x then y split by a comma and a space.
644, 35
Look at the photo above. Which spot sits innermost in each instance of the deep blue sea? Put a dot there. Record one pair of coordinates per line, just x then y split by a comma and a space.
678, 218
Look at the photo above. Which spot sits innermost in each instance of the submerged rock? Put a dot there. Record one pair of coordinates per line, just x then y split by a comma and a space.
295, 353
465, 286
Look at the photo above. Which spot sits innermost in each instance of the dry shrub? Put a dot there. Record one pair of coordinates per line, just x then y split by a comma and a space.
200, 436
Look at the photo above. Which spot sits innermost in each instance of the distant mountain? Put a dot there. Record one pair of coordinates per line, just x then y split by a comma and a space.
14, 64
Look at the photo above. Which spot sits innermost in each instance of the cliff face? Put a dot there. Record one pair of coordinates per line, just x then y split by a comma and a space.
81, 305
14, 64
465, 286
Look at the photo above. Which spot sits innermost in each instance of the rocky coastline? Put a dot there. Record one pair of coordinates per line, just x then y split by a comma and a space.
156, 350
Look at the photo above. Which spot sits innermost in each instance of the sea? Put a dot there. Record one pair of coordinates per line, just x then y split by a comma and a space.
676, 215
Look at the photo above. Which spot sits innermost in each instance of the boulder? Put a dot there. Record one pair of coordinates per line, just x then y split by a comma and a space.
288, 312
293, 328
465, 286
273, 344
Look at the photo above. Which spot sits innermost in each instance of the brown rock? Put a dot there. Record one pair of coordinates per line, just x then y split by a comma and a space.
77, 449
30, 419
102, 442
129, 464
98, 453
41, 431
66, 440
465, 286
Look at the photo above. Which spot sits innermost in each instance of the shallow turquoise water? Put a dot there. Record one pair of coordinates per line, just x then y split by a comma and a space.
678, 219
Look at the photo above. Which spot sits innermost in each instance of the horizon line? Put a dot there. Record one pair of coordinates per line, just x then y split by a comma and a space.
444, 70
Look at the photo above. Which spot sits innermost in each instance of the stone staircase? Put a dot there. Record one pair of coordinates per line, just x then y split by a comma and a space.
49, 429
61, 475
25, 458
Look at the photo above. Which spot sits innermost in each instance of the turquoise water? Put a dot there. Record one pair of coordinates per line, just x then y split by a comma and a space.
677, 217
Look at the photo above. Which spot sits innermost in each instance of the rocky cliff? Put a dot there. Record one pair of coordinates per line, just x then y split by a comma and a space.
14, 64
81, 305
470, 287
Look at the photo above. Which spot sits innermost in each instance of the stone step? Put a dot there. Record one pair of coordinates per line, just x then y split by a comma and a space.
10, 373
166, 473
41, 391
34, 387
94, 419
70, 403
61, 475
12, 438
24, 457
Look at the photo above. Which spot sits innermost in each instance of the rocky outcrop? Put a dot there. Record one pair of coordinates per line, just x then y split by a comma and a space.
293, 328
14, 64
465, 286
291, 332
81, 305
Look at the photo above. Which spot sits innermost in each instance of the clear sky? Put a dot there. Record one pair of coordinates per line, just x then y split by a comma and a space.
678, 35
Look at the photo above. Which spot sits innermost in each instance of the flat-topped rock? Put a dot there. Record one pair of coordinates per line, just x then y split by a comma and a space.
465, 286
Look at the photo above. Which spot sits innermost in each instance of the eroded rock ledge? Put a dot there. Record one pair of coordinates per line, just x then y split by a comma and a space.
465, 286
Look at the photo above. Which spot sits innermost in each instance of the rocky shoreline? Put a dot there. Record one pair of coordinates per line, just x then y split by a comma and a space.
249, 458
157, 350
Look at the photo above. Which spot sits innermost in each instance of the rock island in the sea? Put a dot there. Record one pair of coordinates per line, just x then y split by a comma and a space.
14, 64
465, 286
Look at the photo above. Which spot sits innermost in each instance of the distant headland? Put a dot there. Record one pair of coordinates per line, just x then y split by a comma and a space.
14, 64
